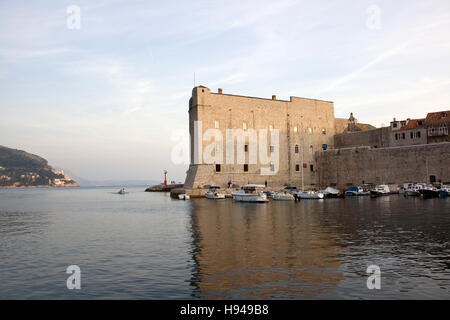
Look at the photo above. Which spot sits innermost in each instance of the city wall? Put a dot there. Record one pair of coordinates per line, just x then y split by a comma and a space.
396, 165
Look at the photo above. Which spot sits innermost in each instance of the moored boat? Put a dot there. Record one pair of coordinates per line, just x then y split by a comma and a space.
357, 191
214, 194
429, 192
330, 192
444, 191
380, 190
309, 195
282, 195
250, 193
184, 196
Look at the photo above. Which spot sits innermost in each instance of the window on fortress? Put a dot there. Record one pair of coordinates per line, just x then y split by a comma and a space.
396, 136
296, 148
311, 167
418, 134
217, 167
216, 124
311, 149
244, 125
295, 129
403, 136
272, 167
297, 167
272, 148
245, 167
412, 135
246, 148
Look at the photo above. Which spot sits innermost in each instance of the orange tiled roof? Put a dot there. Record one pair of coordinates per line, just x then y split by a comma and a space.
413, 124
438, 117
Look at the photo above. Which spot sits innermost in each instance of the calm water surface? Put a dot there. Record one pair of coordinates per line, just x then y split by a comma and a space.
149, 246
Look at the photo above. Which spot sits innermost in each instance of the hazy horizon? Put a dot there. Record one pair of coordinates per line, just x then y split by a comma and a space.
104, 101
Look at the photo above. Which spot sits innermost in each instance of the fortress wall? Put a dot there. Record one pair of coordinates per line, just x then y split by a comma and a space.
395, 165
374, 138
231, 111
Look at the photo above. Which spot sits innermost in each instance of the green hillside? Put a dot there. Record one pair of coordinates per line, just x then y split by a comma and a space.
22, 169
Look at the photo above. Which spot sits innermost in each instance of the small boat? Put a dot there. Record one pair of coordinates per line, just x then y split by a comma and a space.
413, 190
330, 193
380, 190
429, 192
309, 195
282, 195
250, 193
214, 194
121, 191
357, 191
444, 191
184, 196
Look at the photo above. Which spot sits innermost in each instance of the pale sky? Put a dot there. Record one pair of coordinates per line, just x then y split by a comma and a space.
103, 100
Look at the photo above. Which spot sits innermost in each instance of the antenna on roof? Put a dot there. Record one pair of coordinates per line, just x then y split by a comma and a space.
194, 79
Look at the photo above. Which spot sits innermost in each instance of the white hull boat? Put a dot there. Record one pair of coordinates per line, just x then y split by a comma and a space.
283, 196
214, 195
310, 195
250, 193
184, 196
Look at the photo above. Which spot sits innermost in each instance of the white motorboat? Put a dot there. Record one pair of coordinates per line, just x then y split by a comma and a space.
380, 190
250, 193
282, 195
214, 194
330, 192
310, 195
184, 196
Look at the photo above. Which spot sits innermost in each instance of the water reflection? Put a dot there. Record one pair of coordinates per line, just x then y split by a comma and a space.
262, 251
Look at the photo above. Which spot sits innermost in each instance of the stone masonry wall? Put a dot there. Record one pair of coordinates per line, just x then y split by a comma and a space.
396, 165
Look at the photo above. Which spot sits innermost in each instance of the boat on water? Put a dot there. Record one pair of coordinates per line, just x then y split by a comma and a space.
121, 191
282, 195
250, 193
184, 196
310, 194
444, 191
380, 190
429, 192
213, 193
357, 191
330, 192
413, 190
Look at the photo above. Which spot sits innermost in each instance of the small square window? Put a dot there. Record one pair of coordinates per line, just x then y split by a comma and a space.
297, 167
245, 167
311, 167
246, 148
272, 148
218, 168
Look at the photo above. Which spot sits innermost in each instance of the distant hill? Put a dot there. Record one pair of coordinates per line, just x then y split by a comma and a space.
22, 169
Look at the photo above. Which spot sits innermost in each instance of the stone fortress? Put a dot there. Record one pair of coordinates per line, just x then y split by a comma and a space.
315, 148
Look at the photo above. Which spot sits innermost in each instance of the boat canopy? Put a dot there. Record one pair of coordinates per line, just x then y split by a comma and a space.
214, 187
353, 189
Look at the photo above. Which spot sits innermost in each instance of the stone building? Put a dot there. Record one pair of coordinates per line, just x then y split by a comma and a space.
407, 132
305, 126
437, 124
